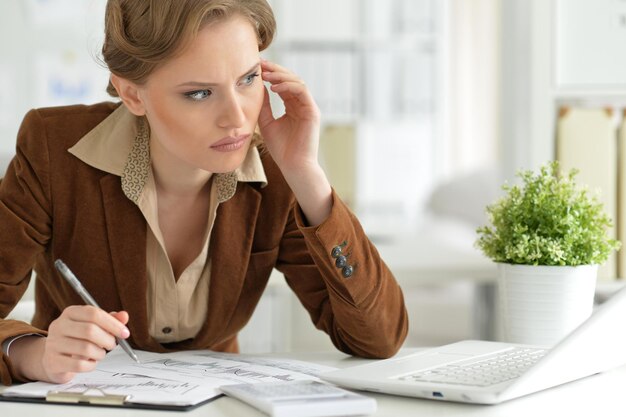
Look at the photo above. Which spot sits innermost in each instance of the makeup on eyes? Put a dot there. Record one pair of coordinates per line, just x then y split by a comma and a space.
191, 94
253, 76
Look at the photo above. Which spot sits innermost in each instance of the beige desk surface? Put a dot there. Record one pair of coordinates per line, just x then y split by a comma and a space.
600, 395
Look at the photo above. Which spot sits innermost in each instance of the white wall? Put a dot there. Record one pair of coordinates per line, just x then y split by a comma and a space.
472, 85
47, 58
528, 110
556, 52
589, 44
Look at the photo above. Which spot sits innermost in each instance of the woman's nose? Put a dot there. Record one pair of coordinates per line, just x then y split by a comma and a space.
232, 114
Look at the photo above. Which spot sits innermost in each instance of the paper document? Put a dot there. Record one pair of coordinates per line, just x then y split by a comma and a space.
181, 378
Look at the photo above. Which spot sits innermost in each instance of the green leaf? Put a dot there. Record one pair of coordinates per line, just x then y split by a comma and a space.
547, 220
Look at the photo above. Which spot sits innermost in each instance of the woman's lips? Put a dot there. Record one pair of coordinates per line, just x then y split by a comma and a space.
230, 143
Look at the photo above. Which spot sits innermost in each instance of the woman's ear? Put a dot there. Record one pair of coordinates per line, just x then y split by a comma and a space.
128, 92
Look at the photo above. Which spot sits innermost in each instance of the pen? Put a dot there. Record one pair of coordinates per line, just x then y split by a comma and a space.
75, 283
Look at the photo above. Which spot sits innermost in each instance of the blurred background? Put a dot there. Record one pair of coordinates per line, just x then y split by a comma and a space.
428, 106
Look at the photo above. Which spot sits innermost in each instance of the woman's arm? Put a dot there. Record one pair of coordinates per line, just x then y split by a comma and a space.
293, 142
355, 299
360, 305
79, 336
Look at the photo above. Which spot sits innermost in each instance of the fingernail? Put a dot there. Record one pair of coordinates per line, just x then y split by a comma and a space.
125, 332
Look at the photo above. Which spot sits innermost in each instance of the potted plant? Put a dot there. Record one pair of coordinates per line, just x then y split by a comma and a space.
548, 237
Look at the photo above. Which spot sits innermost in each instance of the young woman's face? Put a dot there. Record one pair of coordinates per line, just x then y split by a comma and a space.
203, 105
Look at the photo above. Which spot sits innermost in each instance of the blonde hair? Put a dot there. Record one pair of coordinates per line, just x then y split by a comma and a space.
142, 34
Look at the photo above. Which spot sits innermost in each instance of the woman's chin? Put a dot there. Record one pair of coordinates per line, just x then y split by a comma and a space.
224, 164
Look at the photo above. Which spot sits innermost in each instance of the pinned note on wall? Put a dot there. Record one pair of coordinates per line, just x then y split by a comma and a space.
586, 141
621, 196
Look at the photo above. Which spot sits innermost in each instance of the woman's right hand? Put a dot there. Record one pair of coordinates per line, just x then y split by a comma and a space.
77, 340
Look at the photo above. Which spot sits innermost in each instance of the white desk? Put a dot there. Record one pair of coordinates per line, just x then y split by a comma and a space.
599, 395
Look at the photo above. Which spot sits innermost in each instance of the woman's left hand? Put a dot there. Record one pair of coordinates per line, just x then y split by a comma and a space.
293, 141
293, 138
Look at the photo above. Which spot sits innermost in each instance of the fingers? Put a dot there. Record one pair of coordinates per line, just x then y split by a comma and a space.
106, 321
279, 74
266, 116
121, 316
60, 369
91, 333
272, 66
79, 338
283, 81
80, 348
73, 365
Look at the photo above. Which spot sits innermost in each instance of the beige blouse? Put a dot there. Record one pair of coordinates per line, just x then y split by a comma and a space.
120, 145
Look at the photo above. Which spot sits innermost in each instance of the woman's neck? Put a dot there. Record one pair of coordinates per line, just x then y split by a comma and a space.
173, 176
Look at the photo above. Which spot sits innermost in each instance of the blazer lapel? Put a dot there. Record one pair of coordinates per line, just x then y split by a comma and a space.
230, 247
126, 229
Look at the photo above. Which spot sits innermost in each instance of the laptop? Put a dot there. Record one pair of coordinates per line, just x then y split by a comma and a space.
485, 372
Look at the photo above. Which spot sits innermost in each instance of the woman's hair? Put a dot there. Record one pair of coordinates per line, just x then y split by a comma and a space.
142, 34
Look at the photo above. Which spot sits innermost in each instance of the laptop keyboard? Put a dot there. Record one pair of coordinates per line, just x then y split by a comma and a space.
483, 371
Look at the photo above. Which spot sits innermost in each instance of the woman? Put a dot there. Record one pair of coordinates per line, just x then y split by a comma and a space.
171, 211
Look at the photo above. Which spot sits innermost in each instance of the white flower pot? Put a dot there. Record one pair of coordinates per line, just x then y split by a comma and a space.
539, 305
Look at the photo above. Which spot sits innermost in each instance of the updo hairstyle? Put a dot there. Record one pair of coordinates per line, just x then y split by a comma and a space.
140, 35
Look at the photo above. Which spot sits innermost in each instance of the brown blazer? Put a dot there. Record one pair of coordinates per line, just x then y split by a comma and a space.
52, 205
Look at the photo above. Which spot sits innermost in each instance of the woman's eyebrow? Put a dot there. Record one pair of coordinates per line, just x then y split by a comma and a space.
209, 84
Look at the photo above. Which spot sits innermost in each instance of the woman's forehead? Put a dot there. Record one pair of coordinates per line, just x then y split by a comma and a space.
221, 51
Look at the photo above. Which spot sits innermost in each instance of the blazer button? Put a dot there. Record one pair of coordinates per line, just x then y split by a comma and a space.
347, 271
166, 330
341, 261
336, 252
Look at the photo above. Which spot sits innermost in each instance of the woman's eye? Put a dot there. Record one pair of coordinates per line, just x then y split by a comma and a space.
198, 94
249, 79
